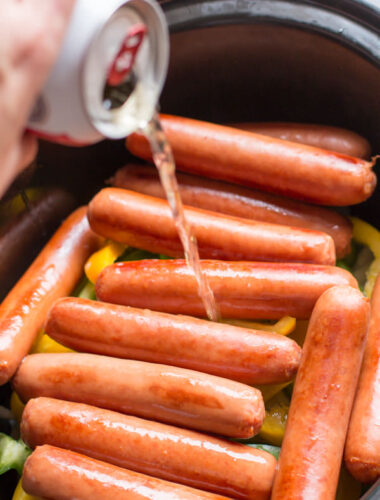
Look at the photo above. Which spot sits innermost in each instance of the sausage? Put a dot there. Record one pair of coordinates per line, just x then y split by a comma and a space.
51, 472
155, 449
240, 201
243, 290
362, 453
336, 139
146, 222
53, 274
296, 170
248, 356
22, 236
311, 453
168, 394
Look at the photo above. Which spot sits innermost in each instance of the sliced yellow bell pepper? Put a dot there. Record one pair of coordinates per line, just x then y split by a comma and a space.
102, 258
372, 273
367, 235
284, 326
47, 344
276, 414
17, 406
20, 494
269, 391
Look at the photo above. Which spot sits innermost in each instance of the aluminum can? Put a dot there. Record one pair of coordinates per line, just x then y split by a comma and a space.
109, 73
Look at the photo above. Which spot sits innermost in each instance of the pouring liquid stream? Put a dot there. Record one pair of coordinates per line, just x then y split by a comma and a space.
164, 161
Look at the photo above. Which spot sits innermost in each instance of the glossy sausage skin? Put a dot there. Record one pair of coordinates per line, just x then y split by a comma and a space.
296, 170
155, 449
146, 222
53, 274
311, 453
24, 234
336, 139
248, 356
56, 474
362, 453
239, 201
243, 290
168, 394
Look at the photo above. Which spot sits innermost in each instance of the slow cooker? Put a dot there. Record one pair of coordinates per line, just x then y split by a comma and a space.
314, 61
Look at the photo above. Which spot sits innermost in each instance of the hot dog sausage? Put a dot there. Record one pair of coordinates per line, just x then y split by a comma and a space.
246, 290
53, 274
362, 453
287, 168
323, 394
146, 222
51, 472
23, 235
248, 356
239, 201
159, 450
336, 139
168, 394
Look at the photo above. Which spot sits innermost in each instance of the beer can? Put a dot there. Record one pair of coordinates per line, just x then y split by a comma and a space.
108, 76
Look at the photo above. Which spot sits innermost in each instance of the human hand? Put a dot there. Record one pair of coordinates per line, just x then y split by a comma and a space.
31, 34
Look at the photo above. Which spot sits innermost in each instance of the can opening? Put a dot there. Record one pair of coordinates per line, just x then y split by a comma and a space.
115, 96
125, 68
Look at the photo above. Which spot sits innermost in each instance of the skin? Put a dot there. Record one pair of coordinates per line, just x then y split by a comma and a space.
362, 453
56, 474
248, 356
31, 34
312, 449
287, 168
164, 393
239, 201
152, 448
53, 274
243, 290
146, 222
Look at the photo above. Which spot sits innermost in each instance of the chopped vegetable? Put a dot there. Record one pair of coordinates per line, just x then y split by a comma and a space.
44, 343
276, 414
102, 258
372, 272
17, 406
12, 454
20, 494
269, 391
273, 450
284, 326
367, 235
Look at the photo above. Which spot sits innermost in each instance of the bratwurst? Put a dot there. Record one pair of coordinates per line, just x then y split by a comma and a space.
362, 453
239, 201
311, 453
243, 290
336, 139
146, 222
53, 274
168, 394
152, 448
51, 472
296, 170
248, 356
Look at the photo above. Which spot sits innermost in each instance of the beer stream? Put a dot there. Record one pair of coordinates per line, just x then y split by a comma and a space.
164, 161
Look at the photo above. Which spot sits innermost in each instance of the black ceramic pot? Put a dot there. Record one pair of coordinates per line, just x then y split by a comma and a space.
238, 60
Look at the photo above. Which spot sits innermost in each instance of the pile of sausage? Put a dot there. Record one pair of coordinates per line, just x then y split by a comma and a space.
152, 403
